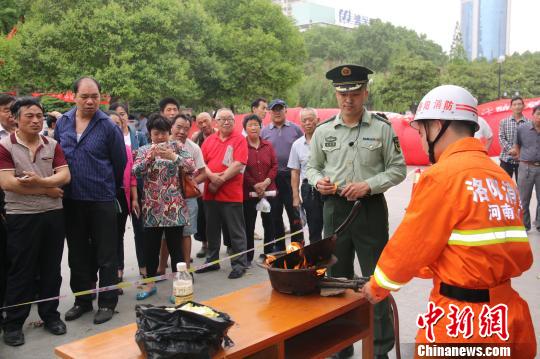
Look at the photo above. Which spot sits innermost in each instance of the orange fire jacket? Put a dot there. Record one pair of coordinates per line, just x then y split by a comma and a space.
463, 226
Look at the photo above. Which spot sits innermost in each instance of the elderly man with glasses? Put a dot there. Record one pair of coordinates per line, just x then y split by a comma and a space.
225, 153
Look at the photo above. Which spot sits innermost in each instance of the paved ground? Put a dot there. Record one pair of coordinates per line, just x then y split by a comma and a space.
411, 299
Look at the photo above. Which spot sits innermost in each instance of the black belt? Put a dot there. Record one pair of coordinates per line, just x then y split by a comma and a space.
531, 163
364, 199
464, 294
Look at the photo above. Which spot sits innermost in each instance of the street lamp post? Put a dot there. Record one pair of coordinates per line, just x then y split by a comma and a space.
500, 60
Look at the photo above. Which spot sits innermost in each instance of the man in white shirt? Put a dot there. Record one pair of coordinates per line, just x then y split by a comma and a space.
310, 200
180, 129
484, 134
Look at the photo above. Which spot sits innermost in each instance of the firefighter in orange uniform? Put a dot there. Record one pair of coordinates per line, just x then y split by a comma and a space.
463, 226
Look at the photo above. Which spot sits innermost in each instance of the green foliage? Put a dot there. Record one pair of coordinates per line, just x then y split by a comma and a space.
407, 82
258, 51
457, 50
205, 53
53, 104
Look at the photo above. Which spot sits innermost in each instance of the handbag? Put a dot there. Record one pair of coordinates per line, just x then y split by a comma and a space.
189, 187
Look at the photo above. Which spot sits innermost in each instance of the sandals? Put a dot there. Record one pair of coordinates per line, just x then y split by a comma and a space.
145, 294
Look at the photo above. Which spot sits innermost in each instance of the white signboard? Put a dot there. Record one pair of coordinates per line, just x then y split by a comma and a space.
347, 18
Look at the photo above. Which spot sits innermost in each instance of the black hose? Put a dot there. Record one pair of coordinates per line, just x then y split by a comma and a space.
395, 316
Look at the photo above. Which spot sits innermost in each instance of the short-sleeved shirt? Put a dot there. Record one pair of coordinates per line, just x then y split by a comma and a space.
528, 140
282, 139
299, 156
368, 151
196, 153
219, 155
198, 159
15, 156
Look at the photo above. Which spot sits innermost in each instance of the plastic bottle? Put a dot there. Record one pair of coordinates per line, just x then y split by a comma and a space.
182, 285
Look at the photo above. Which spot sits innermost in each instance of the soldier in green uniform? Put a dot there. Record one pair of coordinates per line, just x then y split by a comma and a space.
356, 155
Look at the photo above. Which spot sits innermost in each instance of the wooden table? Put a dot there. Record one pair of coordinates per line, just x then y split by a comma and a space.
268, 324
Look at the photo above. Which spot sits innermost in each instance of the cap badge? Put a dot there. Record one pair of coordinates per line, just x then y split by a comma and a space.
345, 71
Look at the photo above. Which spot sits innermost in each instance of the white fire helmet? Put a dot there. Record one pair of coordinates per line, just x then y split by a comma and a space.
448, 102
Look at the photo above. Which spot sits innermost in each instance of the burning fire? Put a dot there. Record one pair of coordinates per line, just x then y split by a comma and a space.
301, 261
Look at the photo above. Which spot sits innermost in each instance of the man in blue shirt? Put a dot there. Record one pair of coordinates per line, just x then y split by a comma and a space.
282, 134
94, 149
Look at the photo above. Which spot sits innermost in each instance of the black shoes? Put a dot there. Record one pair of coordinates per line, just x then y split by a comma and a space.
14, 338
237, 273
103, 315
201, 253
76, 311
211, 268
56, 327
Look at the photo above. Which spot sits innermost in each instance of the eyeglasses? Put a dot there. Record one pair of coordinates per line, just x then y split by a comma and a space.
228, 119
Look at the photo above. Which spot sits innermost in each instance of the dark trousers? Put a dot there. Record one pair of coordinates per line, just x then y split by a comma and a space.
529, 179
284, 199
3, 265
366, 236
152, 239
121, 219
250, 217
35, 243
201, 226
201, 222
91, 235
313, 206
138, 233
218, 213
510, 168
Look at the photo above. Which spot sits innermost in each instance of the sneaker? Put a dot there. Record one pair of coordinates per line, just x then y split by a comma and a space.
14, 338
103, 315
236, 273
56, 327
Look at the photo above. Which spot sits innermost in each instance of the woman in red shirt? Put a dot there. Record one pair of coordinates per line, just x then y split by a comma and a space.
261, 170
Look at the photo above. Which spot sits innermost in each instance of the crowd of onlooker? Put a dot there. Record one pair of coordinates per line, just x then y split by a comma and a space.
80, 177
88, 170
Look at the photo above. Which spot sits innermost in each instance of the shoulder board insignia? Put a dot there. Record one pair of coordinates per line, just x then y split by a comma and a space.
331, 119
381, 117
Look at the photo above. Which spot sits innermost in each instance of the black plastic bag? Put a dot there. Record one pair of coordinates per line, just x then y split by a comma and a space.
180, 334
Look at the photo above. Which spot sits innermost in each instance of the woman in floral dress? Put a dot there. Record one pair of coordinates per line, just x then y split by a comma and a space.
163, 208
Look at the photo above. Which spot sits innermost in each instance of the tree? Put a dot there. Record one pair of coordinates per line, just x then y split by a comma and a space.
205, 53
259, 51
479, 77
132, 53
457, 50
407, 82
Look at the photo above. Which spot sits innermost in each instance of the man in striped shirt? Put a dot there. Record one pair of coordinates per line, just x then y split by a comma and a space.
507, 135
96, 154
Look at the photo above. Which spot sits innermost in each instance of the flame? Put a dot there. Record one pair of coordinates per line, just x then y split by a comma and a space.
321, 272
269, 259
294, 246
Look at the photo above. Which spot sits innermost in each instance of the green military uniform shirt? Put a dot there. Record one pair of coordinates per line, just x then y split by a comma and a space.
374, 157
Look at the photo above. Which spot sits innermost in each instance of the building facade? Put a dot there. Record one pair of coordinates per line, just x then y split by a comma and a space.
307, 14
485, 28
